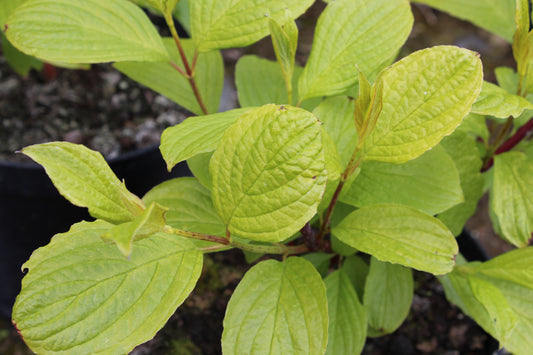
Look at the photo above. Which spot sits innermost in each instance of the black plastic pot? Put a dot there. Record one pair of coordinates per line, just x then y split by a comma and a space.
32, 211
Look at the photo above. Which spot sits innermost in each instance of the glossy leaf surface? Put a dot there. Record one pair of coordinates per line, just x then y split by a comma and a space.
268, 173
166, 80
512, 196
224, 24
429, 183
347, 316
82, 296
388, 295
275, 299
497, 102
401, 235
425, 97
90, 31
195, 135
366, 33
83, 177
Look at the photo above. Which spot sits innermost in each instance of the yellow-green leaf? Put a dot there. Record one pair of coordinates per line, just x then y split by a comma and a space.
400, 234
277, 308
366, 33
497, 102
268, 173
89, 31
83, 177
425, 97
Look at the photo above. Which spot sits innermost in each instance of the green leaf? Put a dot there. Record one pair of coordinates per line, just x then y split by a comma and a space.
285, 41
475, 125
429, 183
165, 6
512, 196
496, 102
260, 81
337, 115
149, 223
512, 275
502, 315
182, 13
268, 173
166, 80
425, 97
401, 235
224, 24
347, 317
20, 62
83, 177
388, 295
277, 308
189, 207
320, 261
495, 16
368, 106
367, 33
81, 296
90, 31
464, 152
195, 135
507, 79
199, 166
357, 270
7, 7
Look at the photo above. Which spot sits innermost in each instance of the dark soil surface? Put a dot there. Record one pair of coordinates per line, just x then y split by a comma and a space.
108, 112
100, 108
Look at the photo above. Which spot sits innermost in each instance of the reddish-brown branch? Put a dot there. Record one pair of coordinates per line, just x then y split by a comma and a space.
510, 143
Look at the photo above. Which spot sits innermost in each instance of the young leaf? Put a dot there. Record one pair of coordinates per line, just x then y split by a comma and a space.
429, 183
425, 97
166, 80
367, 33
401, 235
368, 106
223, 24
107, 303
189, 207
83, 177
285, 41
337, 115
195, 135
464, 152
388, 295
150, 222
512, 196
495, 16
270, 151
277, 308
496, 102
347, 316
90, 31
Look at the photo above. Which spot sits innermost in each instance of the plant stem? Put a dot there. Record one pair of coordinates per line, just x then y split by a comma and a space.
195, 235
188, 69
510, 143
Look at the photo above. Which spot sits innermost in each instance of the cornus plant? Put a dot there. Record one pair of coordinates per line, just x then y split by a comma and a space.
351, 155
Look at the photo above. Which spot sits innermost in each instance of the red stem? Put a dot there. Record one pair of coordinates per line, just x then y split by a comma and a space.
510, 143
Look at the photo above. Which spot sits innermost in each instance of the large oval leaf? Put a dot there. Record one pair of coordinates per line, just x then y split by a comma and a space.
366, 33
278, 308
268, 173
401, 235
82, 296
166, 80
89, 31
511, 196
224, 24
347, 316
425, 97
83, 177
388, 295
